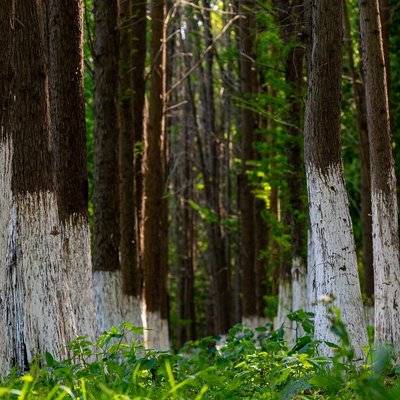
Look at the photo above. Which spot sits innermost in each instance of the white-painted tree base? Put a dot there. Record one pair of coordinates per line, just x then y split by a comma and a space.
335, 258
254, 322
156, 333
112, 306
386, 269
299, 292
285, 308
311, 284
76, 247
369, 313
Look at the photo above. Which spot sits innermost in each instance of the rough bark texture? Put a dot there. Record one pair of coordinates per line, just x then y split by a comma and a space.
105, 178
35, 308
247, 131
366, 212
128, 240
383, 180
331, 227
68, 134
156, 333
139, 45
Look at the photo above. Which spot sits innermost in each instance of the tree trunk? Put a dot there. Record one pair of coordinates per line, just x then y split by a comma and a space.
131, 277
331, 228
67, 114
139, 47
156, 333
366, 213
107, 274
383, 180
36, 313
246, 196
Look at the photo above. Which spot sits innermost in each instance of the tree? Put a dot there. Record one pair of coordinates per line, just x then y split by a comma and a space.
36, 314
131, 274
246, 196
331, 227
383, 179
68, 133
138, 54
366, 219
155, 296
107, 274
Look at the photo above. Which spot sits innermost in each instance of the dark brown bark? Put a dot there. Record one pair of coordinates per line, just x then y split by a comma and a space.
366, 218
139, 47
247, 130
30, 124
128, 241
376, 98
324, 95
154, 178
105, 179
67, 108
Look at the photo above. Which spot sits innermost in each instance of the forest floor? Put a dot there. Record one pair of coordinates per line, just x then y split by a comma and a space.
251, 365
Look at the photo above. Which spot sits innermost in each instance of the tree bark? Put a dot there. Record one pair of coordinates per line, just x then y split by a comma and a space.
139, 48
383, 179
156, 333
68, 134
247, 132
366, 213
131, 277
36, 313
107, 273
331, 228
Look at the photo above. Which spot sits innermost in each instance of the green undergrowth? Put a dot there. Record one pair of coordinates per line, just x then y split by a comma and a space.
248, 365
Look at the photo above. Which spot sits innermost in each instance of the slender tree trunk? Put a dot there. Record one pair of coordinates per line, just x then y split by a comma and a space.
220, 283
383, 179
366, 213
36, 313
139, 47
67, 114
247, 131
331, 228
107, 274
156, 334
131, 277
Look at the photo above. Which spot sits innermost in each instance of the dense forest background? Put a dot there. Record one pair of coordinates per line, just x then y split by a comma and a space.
204, 146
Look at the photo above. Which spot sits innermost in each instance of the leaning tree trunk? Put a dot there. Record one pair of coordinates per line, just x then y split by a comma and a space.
107, 274
383, 180
331, 228
156, 327
131, 277
36, 314
67, 114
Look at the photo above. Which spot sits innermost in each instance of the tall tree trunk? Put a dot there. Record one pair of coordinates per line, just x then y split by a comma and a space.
68, 133
246, 196
366, 213
156, 334
331, 227
107, 274
383, 179
220, 282
131, 278
139, 47
36, 313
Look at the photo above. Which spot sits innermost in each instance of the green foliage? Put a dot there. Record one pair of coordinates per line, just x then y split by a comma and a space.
250, 364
